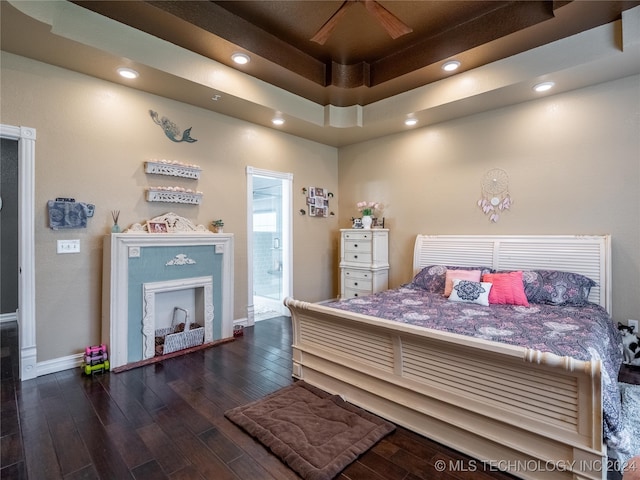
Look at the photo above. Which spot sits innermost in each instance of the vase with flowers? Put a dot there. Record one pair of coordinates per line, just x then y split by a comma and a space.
368, 210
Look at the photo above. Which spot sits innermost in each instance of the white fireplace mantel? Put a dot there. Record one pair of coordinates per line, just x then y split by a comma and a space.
159, 254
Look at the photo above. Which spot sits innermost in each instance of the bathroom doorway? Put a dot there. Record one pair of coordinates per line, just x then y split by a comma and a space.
270, 239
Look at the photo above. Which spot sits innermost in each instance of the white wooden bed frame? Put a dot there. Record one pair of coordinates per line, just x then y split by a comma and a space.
534, 414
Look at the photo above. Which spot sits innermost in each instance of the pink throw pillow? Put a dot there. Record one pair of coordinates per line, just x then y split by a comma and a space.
507, 289
451, 275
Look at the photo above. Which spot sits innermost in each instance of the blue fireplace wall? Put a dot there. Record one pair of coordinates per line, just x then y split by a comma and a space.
151, 266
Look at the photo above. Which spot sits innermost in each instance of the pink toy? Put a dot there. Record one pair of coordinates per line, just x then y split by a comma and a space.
96, 350
93, 359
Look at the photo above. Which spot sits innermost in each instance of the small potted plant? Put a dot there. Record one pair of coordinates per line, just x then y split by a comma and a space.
218, 226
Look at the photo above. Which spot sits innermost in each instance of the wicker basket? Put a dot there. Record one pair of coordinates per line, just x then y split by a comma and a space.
168, 341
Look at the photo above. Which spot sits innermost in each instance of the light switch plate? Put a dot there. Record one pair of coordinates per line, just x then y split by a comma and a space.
68, 246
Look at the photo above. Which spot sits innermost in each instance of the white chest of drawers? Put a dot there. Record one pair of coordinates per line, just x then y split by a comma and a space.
364, 261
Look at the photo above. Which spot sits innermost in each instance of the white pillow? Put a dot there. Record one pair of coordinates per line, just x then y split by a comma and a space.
470, 292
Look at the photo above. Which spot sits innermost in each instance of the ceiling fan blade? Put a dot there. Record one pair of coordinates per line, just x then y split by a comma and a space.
392, 24
325, 31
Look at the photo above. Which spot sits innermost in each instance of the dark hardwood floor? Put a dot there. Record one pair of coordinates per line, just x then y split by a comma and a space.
166, 421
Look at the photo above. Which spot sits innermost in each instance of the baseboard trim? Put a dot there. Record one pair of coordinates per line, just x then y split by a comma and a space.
75, 361
59, 364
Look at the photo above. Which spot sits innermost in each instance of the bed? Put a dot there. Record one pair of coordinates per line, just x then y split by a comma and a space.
523, 409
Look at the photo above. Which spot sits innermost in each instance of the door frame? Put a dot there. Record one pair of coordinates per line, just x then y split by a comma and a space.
26, 138
287, 237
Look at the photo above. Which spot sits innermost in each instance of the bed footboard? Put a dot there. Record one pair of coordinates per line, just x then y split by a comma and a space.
534, 414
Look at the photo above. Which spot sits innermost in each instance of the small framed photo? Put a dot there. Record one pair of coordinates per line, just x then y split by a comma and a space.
377, 222
157, 227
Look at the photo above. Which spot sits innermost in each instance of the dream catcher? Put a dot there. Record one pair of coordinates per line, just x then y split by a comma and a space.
495, 194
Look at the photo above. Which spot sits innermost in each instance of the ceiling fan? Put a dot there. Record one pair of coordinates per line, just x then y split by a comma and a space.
392, 24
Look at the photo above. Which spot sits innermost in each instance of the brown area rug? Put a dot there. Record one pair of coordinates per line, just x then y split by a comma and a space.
315, 433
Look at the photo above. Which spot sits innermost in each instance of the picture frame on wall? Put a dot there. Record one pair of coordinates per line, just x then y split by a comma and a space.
318, 202
157, 227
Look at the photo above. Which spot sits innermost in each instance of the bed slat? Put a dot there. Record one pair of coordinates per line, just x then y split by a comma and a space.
471, 379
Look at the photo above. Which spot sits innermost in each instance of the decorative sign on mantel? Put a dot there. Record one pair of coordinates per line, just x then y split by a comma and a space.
175, 224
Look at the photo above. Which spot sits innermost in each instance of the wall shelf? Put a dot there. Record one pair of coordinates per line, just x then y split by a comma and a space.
174, 169
173, 195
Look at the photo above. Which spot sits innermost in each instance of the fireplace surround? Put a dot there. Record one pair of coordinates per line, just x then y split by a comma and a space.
139, 264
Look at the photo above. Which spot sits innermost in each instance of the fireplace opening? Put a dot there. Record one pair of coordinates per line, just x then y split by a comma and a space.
183, 333
177, 315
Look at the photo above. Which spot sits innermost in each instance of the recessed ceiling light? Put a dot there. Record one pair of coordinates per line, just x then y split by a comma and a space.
241, 58
278, 121
543, 87
128, 72
410, 122
451, 65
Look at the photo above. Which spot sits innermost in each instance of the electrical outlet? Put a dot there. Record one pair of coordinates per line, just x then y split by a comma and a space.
634, 324
68, 246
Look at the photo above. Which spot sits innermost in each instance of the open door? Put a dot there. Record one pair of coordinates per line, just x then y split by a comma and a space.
269, 242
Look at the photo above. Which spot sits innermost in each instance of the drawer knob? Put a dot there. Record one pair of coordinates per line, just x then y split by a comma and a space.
355, 294
355, 256
355, 245
355, 283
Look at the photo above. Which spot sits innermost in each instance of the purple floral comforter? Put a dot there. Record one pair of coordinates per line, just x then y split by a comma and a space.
581, 332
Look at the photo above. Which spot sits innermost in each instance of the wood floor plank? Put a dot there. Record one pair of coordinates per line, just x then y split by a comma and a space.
104, 453
131, 447
382, 467
70, 449
17, 471
72, 392
187, 473
359, 471
10, 449
40, 456
140, 392
149, 471
86, 473
9, 420
219, 443
163, 448
105, 407
247, 467
206, 463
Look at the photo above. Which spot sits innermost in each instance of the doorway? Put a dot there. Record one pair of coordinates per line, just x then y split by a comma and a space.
8, 230
269, 243
26, 312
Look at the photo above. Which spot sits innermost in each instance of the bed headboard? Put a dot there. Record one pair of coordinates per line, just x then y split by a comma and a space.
589, 255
